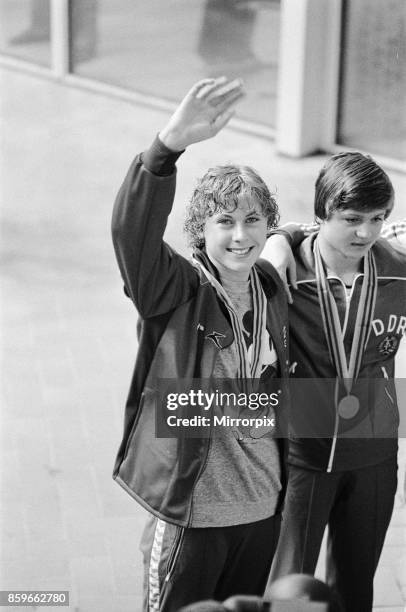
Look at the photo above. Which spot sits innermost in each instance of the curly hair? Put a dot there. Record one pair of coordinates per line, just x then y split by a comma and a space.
220, 189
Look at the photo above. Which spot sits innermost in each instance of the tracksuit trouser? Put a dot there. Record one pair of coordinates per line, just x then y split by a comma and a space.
185, 565
357, 507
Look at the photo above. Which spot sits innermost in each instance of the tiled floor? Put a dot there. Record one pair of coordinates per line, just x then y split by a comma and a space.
68, 337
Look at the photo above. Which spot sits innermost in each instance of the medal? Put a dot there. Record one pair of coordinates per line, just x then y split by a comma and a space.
249, 363
348, 406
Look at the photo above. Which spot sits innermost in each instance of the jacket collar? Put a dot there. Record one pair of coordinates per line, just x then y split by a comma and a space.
389, 262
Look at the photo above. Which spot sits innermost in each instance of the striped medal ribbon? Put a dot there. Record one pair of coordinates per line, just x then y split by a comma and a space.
348, 406
246, 368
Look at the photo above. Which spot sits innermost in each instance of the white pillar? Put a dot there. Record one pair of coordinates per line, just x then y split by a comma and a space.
60, 37
308, 75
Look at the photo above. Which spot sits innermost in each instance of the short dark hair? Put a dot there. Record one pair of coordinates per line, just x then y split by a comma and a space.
351, 180
220, 189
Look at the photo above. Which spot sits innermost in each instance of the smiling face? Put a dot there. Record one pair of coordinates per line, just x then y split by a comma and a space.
235, 238
348, 234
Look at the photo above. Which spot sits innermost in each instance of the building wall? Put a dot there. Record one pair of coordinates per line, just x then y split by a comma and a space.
319, 75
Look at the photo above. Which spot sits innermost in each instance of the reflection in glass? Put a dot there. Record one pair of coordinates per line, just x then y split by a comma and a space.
25, 30
372, 113
161, 48
84, 30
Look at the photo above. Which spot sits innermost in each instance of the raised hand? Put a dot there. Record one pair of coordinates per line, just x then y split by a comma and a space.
203, 112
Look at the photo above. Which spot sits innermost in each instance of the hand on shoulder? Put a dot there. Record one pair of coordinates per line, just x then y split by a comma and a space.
279, 253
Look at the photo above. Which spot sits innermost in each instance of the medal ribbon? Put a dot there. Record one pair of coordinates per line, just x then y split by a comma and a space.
331, 321
246, 368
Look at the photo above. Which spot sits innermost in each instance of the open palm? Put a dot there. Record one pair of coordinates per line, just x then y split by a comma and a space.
203, 112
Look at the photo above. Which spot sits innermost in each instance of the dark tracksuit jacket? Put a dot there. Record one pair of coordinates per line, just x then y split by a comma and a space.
178, 311
370, 437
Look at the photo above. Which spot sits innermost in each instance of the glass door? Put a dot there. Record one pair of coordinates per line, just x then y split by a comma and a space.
161, 48
25, 30
372, 99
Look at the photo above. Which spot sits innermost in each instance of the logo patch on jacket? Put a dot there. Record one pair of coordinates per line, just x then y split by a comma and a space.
388, 345
215, 337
